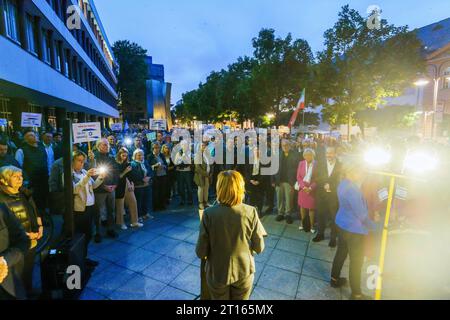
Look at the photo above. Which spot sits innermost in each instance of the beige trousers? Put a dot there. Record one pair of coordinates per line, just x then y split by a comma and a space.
240, 290
128, 200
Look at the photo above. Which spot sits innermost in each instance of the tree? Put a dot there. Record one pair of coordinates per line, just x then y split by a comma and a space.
133, 73
282, 70
359, 67
270, 81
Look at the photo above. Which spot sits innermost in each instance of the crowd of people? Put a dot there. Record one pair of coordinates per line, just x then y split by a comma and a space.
125, 177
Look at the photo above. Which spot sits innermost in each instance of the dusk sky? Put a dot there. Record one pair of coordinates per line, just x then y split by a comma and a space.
194, 37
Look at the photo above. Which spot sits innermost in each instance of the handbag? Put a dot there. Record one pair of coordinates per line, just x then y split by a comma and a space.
297, 186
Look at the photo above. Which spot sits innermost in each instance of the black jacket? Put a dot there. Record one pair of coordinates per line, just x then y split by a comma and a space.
112, 176
14, 244
289, 163
136, 175
333, 180
23, 207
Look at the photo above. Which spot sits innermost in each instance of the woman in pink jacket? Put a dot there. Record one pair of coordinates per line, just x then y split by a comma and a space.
306, 186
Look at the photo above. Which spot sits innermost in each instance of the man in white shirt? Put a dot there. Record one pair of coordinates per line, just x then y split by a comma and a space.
328, 179
47, 141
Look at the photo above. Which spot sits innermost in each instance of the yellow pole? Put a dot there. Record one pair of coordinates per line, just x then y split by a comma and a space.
384, 239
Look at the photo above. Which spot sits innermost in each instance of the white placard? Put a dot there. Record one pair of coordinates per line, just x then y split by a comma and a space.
30, 120
262, 131
158, 124
383, 194
116, 126
88, 131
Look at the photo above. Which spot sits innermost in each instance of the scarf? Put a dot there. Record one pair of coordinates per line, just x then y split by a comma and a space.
142, 167
309, 170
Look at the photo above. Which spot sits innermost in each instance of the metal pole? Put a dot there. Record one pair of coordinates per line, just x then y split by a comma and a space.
68, 186
435, 97
384, 240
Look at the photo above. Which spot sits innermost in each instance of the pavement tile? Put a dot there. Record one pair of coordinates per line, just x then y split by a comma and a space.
138, 260
179, 233
118, 251
138, 238
315, 289
286, 261
110, 279
161, 245
279, 280
170, 293
188, 280
138, 288
183, 251
292, 246
165, 269
260, 293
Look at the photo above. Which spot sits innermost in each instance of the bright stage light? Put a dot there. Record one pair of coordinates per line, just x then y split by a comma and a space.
128, 141
420, 162
377, 156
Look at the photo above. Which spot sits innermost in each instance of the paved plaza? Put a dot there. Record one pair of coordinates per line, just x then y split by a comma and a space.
159, 262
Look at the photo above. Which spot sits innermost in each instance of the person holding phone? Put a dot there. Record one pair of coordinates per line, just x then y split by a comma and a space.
105, 193
125, 192
84, 198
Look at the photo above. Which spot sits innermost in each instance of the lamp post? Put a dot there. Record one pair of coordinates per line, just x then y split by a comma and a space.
422, 83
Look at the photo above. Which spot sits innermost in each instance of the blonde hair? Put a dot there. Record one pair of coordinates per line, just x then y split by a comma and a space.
136, 152
230, 188
6, 173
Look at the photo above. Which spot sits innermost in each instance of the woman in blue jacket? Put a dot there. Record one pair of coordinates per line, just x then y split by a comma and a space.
353, 222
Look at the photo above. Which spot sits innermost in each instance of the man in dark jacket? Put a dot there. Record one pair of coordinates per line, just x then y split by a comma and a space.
32, 158
284, 182
105, 193
328, 177
14, 243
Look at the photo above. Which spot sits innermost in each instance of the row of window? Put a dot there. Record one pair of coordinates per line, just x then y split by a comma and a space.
52, 51
60, 8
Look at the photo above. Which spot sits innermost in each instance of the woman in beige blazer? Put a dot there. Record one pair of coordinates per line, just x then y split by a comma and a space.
230, 234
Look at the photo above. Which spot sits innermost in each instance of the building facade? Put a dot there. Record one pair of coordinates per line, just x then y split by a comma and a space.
55, 59
431, 95
158, 93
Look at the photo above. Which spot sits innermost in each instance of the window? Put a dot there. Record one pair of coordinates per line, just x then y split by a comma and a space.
67, 64
58, 55
31, 34
447, 78
11, 19
46, 52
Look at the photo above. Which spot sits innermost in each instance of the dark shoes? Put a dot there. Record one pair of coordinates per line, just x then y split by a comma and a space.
279, 218
338, 283
332, 243
112, 234
318, 238
289, 220
98, 238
